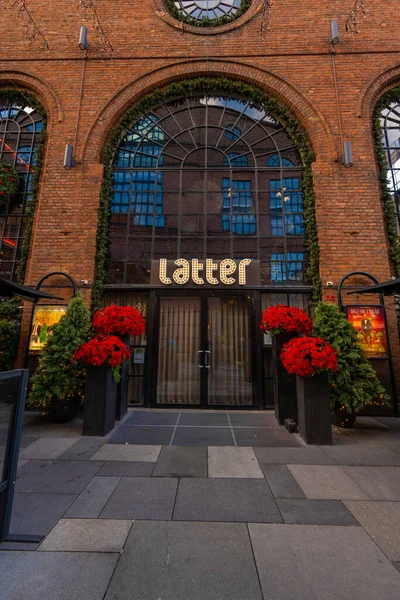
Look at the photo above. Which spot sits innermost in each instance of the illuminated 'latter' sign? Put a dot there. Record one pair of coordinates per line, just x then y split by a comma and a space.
205, 272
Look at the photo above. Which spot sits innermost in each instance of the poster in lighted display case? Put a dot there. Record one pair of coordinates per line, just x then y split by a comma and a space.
369, 321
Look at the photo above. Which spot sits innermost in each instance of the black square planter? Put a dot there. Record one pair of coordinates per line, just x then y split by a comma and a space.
100, 401
314, 410
284, 383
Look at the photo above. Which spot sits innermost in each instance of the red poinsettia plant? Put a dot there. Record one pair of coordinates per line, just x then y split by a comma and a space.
119, 320
279, 318
103, 350
306, 356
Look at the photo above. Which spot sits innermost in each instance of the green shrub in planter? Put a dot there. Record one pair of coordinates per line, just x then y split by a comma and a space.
10, 315
58, 381
355, 383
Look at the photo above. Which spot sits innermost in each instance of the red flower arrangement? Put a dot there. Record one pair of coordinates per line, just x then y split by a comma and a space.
307, 356
276, 319
103, 350
120, 320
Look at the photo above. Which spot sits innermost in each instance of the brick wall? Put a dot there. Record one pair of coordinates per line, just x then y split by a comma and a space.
293, 64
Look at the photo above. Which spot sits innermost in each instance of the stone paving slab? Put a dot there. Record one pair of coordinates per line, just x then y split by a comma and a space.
326, 483
308, 562
84, 449
312, 455
142, 498
233, 462
396, 566
186, 561
125, 452
87, 535
55, 575
229, 500
93, 499
282, 482
203, 436
157, 417
126, 469
56, 477
36, 514
175, 461
381, 520
316, 512
269, 436
47, 448
380, 483
364, 455
258, 419
142, 434
215, 419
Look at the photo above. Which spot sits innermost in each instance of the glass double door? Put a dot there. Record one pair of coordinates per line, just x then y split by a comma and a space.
204, 351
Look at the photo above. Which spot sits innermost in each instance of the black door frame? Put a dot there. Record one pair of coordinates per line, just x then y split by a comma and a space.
153, 341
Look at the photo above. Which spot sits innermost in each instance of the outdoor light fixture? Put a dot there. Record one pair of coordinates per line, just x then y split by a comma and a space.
83, 43
334, 39
69, 156
347, 156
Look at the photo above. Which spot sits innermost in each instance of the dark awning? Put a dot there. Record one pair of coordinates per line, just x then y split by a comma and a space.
9, 288
386, 287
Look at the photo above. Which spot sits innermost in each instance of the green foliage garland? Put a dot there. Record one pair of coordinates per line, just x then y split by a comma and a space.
9, 180
355, 383
25, 99
10, 323
392, 95
56, 375
224, 20
205, 85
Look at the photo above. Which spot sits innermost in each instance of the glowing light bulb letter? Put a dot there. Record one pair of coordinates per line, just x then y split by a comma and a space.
196, 267
181, 275
163, 272
242, 270
227, 267
210, 267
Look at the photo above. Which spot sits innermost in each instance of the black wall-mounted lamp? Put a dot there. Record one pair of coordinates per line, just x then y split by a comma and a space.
69, 161
334, 39
347, 156
83, 42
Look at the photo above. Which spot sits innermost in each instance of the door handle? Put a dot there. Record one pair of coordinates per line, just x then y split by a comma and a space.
199, 359
207, 353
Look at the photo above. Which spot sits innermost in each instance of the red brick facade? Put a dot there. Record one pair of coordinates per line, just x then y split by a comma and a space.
293, 64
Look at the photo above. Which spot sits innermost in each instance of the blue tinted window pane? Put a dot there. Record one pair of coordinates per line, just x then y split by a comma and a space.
232, 133
274, 161
235, 160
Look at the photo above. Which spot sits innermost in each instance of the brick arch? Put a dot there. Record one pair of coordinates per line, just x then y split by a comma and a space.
376, 88
311, 119
43, 91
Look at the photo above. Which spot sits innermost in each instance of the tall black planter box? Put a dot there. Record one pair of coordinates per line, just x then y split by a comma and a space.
121, 407
284, 383
100, 400
313, 408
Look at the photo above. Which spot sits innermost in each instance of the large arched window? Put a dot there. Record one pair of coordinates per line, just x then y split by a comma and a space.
390, 122
20, 128
207, 176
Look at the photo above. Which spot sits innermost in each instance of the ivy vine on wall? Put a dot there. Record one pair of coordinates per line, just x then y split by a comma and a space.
184, 88
224, 20
392, 95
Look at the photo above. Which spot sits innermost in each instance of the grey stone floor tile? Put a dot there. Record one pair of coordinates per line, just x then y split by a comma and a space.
293, 456
316, 512
56, 477
142, 434
364, 454
368, 423
127, 453
126, 469
93, 499
270, 436
157, 417
231, 500
203, 436
216, 419
317, 562
55, 575
87, 535
25, 442
29, 547
233, 462
84, 449
175, 461
392, 422
327, 483
396, 566
47, 448
282, 482
256, 419
142, 498
381, 520
380, 483
186, 561
36, 514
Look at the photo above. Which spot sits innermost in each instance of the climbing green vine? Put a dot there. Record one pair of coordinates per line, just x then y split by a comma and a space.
15, 97
392, 95
175, 12
203, 85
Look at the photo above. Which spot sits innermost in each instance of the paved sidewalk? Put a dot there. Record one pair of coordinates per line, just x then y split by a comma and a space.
241, 520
